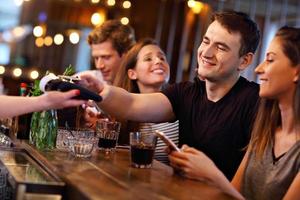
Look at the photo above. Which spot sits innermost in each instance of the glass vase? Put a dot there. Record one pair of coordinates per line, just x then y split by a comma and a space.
44, 129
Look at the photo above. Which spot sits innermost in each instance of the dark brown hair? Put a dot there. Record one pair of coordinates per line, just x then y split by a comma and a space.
241, 23
121, 36
268, 117
129, 62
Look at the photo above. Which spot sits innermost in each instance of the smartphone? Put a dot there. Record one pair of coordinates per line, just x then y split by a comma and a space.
167, 140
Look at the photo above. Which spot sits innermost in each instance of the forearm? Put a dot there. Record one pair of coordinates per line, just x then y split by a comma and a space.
154, 107
222, 183
12, 105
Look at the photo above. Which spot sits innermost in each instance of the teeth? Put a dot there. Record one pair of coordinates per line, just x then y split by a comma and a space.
158, 71
262, 81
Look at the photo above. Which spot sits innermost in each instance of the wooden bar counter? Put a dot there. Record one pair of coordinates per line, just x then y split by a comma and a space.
111, 177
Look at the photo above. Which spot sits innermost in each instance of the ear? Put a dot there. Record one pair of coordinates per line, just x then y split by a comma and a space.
246, 60
132, 74
297, 72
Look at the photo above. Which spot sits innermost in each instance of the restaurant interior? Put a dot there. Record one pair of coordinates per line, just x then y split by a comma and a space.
38, 36
42, 36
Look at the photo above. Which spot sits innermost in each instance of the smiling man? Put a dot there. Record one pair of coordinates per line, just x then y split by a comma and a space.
109, 43
215, 112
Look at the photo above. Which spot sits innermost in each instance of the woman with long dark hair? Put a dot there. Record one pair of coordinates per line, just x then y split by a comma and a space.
270, 168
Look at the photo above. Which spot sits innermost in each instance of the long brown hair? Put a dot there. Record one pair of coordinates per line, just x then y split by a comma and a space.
129, 62
122, 80
268, 117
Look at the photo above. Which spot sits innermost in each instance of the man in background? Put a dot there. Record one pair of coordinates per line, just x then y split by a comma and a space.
109, 43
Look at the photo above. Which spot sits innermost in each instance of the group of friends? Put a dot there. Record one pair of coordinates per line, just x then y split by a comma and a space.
235, 134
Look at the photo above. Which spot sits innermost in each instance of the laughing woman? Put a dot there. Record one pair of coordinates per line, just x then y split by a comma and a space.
145, 70
270, 168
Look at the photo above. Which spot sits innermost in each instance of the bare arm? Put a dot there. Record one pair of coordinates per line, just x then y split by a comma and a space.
153, 107
14, 105
237, 179
293, 191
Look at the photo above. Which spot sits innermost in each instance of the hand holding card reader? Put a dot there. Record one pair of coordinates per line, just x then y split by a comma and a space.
51, 82
167, 141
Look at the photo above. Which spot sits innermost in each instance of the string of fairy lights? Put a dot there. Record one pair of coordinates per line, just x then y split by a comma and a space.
43, 40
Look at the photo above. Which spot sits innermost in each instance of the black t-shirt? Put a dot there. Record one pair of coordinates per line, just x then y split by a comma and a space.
219, 129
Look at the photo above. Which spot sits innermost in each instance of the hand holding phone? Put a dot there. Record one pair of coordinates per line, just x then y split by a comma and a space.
167, 141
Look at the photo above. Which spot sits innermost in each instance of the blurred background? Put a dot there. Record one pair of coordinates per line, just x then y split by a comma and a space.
48, 35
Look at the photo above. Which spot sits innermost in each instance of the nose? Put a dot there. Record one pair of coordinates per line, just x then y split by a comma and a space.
207, 51
99, 63
157, 60
260, 68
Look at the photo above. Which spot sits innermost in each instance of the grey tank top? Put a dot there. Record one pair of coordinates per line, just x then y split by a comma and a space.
267, 179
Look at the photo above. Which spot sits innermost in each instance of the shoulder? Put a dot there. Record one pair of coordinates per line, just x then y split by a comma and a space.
248, 88
183, 87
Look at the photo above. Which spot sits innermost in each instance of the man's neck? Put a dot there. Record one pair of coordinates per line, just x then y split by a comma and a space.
217, 90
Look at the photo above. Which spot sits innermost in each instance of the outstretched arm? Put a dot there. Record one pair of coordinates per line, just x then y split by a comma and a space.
119, 103
14, 105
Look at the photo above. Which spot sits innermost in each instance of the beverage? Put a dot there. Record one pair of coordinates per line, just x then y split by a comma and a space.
142, 145
107, 143
108, 133
142, 156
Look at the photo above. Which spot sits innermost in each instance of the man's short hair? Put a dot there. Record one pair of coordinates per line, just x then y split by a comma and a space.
240, 22
121, 36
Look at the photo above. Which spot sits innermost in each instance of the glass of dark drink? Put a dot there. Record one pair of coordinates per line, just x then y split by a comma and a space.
108, 133
142, 147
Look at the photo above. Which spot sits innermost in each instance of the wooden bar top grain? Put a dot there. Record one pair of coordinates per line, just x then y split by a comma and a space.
111, 176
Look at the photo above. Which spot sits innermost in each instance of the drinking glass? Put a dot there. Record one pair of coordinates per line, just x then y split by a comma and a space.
108, 133
142, 147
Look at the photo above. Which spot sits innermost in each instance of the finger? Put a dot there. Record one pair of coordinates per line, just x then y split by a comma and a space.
177, 161
181, 155
73, 103
72, 93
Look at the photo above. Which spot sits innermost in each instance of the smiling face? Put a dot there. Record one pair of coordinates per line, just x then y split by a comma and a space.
151, 70
276, 73
218, 54
106, 59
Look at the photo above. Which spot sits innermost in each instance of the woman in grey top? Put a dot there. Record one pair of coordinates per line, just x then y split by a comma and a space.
270, 168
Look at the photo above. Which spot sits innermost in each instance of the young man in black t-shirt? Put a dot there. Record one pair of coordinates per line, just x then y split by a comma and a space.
216, 111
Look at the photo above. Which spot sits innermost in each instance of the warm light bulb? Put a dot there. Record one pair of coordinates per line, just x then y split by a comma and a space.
95, 1
74, 37
38, 31
17, 72
191, 3
126, 4
34, 74
48, 41
58, 39
2, 69
196, 6
111, 2
97, 19
39, 42
124, 20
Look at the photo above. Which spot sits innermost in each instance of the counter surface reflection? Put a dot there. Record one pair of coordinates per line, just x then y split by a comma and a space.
110, 176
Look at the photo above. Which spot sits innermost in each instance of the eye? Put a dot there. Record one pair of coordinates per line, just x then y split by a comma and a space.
269, 60
222, 48
163, 58
205, 42
147, 59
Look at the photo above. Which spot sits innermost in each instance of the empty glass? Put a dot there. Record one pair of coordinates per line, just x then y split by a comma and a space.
82, 147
